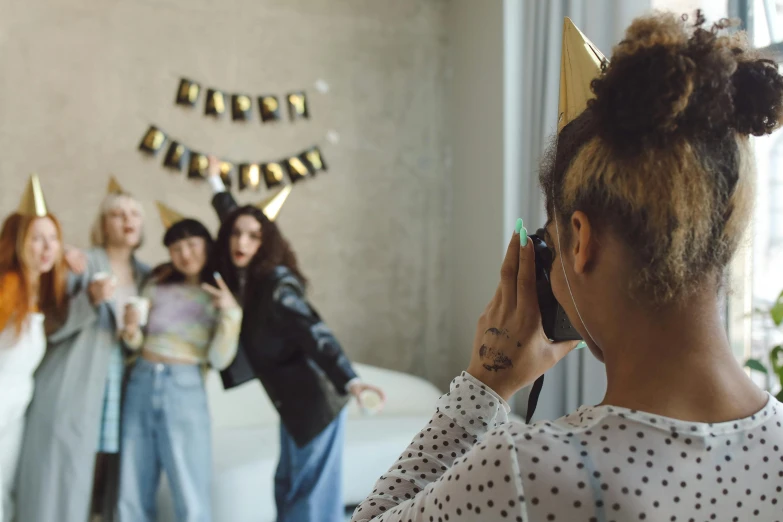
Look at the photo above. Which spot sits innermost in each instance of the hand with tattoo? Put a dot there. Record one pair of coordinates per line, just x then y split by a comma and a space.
510, 349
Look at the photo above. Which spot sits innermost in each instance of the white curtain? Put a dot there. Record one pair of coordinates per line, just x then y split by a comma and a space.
533, 33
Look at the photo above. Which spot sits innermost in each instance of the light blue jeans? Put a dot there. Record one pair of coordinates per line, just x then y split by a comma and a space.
165, 426
309, 480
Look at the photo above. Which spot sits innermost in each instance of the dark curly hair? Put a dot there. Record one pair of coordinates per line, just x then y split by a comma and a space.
274, 251
661, 156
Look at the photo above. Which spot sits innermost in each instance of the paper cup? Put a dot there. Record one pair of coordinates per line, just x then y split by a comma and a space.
371, 402
103, 276
142, 304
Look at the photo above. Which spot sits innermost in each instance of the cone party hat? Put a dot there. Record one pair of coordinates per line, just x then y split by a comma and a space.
33, 202
580, 64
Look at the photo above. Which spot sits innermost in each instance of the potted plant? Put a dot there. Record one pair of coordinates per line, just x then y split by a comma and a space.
776, 354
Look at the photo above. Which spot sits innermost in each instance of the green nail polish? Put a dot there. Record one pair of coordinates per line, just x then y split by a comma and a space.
519, 226
523, 237
581, 345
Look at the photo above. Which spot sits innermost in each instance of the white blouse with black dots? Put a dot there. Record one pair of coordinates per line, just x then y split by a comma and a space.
597, 464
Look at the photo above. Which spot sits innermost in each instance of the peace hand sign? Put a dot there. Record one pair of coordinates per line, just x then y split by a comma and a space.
222, 297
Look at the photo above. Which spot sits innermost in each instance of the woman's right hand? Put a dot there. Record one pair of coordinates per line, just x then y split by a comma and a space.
101, 290
131, 320
213, 170
511, 350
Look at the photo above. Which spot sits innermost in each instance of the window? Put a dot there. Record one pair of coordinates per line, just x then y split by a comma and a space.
756, 274
765, 17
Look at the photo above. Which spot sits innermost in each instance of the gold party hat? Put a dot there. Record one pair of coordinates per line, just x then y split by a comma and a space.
33, 202
272, 205
168, 216
114, 186
580, 64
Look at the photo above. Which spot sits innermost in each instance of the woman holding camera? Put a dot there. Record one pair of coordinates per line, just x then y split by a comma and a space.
647, 194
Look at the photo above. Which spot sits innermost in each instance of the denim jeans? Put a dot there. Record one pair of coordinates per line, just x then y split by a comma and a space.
165, 427
309, 480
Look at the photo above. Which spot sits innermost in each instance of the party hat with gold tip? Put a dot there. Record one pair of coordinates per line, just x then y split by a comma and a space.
114, 186
33, 202
272, 205
168, 216
580, 64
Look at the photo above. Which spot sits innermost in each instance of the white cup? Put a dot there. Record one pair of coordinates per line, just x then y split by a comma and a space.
102, 276
371, 402
142, 305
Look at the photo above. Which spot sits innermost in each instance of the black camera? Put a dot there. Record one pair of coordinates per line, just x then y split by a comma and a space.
556, 325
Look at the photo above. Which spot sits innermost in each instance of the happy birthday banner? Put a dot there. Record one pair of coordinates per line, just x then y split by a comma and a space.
189, 91
249, 175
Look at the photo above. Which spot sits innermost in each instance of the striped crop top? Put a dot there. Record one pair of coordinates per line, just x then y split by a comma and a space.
184, 325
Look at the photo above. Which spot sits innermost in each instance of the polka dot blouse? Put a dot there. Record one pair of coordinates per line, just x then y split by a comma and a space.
597, 464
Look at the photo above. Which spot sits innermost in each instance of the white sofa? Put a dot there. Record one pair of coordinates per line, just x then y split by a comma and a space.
245, 444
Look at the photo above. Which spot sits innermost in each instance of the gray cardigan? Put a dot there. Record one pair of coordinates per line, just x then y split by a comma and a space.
58, 454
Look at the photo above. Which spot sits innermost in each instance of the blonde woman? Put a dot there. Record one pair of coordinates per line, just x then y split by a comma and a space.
71, 453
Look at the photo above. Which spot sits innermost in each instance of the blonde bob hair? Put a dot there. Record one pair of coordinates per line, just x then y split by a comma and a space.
109, 203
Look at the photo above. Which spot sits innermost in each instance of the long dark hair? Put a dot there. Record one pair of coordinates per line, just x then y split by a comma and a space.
274, 250
166, 273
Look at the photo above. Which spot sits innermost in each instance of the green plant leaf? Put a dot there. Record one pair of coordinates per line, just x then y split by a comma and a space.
779, 396
776, 360
776, 312
755, 364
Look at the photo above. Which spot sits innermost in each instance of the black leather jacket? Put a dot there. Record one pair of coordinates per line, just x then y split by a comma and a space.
285, 344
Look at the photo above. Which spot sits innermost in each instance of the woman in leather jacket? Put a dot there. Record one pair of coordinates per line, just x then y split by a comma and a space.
285, 344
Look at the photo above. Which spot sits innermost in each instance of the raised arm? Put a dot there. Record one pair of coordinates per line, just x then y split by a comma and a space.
457, 468
222, 201
225, 340
430, 481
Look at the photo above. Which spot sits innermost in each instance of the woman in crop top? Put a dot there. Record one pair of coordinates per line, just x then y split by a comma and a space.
166, 423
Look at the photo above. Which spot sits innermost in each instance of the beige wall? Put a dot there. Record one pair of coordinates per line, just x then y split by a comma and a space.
82, 79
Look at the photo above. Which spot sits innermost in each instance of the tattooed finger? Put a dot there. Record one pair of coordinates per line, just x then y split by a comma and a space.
498, 332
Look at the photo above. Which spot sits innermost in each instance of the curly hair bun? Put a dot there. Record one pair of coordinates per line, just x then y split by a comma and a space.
757, 97
667, 80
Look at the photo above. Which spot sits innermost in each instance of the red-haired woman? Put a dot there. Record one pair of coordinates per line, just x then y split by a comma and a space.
32, 285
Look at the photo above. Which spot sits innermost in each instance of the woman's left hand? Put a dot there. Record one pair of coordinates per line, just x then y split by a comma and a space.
359, 387
213, 170
222, 298
511, 350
